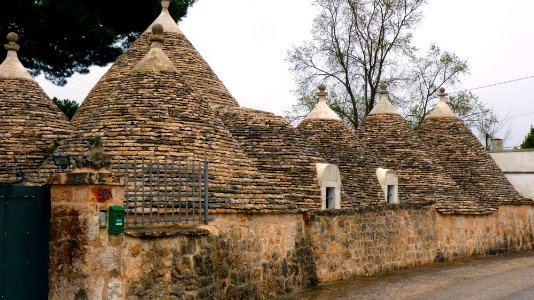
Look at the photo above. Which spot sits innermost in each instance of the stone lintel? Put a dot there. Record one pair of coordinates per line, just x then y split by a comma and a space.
85, 179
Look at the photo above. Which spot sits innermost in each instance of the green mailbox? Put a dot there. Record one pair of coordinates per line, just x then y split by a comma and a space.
116, 220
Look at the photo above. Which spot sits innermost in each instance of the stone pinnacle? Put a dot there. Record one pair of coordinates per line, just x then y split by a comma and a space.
321, 93
157, 37
12, 39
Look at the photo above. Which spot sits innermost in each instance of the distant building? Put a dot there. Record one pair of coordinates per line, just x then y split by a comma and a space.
518, 167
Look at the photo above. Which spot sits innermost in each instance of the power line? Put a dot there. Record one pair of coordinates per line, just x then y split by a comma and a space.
495, 84
522, 115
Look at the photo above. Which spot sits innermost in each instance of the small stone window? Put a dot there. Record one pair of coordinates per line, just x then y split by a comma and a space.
330, 197
390, 184
330, 185
392, 193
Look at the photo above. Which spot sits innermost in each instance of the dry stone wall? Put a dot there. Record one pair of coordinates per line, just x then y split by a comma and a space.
257, 256
236, 257
510, 229
367, 242
84, 259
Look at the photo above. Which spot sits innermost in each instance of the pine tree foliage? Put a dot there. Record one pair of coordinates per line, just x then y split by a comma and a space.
63, 37
528, 143
68, 107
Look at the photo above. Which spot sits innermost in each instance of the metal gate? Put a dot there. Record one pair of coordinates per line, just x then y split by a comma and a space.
24, 235
170, 191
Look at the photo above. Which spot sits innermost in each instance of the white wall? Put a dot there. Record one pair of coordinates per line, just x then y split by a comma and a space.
518, 166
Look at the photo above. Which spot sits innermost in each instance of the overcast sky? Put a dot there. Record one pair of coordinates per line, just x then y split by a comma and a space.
246, 43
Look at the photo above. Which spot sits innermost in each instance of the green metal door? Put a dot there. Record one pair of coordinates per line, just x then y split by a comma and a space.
24, 234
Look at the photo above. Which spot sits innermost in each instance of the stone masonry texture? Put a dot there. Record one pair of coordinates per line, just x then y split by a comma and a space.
84, 259
277, 151
337, 144
397, 147
156, 115
259, 256
241, 257
196, 73
464, 159
31, 127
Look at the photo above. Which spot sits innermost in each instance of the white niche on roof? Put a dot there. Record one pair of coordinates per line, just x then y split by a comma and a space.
390, 184
330, 183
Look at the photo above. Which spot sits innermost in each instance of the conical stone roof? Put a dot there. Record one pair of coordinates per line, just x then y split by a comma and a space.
277, 151
193, 68
336, 143
464, 158
396, 146
31, 125
153, 113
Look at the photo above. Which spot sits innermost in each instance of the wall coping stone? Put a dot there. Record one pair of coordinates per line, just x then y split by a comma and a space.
367, 209
258, 211
85, 179
160, 231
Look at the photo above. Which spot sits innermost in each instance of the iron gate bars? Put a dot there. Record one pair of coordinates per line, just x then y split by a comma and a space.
165, 191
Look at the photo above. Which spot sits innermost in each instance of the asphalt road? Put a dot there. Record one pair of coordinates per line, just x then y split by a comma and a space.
498, 277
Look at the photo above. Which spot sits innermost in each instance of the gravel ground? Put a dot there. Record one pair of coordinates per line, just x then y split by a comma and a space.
498, 277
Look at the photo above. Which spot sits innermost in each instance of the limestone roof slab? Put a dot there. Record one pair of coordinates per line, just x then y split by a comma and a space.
337, 144
31, 125
276, 149
463, 158
187, 60
397, 147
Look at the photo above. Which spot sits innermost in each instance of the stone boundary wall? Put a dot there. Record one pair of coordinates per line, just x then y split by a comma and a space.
364, 243
84, 259
257, 256
238, 256
509, 229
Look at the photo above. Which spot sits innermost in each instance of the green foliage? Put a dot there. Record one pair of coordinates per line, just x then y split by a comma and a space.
68, 107
61, 37
528, 143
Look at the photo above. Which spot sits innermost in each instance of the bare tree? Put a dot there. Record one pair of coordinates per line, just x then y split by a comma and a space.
356, 45
481, 119
428, 74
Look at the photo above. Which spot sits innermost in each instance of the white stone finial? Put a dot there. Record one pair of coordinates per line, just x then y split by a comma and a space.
321, 109
165, 19
12, 39
384, 106
156, 60
322, 92
442, 109
11, 67
165, 4
442, 94
383, 89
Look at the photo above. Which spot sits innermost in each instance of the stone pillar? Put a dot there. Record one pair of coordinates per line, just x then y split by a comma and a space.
84, 258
